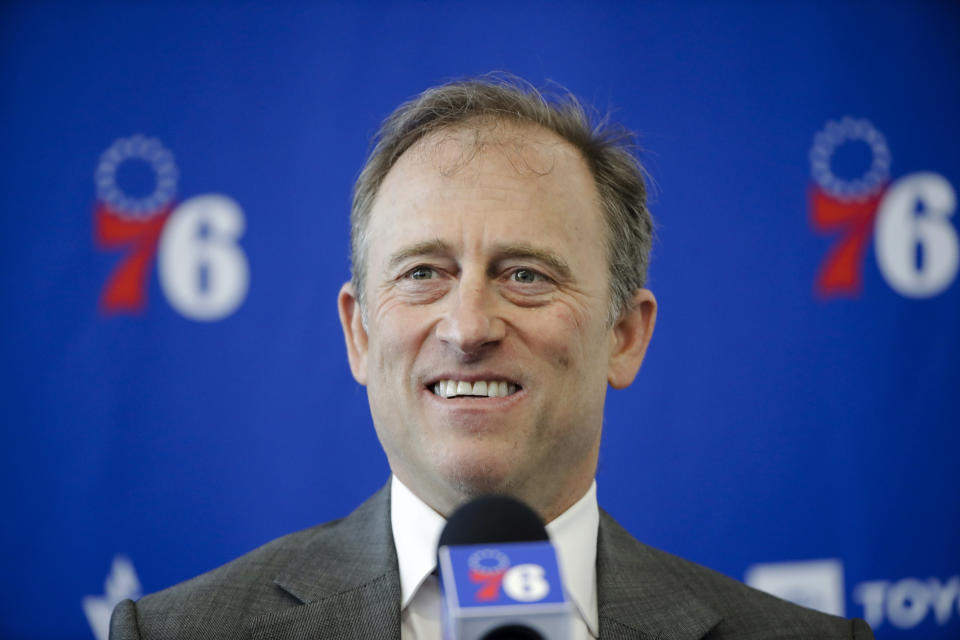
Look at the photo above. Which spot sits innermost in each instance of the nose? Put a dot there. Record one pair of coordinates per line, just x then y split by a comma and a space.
470, 323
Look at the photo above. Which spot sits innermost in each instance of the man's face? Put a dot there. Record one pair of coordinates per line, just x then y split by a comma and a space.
485, 348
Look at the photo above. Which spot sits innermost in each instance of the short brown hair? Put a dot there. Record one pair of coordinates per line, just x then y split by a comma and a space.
607, 148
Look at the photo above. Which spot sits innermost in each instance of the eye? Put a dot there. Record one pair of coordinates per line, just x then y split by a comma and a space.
525, 276
421, 273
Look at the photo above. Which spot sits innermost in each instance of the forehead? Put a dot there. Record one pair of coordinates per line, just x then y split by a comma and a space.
528, 149
510, 173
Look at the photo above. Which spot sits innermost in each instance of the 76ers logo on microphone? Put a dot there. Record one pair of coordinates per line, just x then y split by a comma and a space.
490, 568
487, 567
203, 271
916, 245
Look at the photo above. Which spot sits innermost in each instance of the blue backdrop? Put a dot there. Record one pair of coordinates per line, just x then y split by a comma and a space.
174, 184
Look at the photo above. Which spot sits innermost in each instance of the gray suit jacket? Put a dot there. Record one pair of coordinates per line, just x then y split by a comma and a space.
340, 580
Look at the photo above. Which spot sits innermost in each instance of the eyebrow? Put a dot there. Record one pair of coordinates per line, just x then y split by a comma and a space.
425, 248
501, 252
526, 251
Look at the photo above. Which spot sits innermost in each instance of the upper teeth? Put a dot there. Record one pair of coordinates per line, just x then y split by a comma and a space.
492, 389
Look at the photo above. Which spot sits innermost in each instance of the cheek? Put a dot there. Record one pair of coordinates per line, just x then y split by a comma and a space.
568, 339
397, 334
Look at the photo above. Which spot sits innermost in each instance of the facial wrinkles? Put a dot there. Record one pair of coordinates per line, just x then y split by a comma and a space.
468, 190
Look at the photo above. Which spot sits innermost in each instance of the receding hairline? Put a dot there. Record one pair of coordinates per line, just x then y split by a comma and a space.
519, 140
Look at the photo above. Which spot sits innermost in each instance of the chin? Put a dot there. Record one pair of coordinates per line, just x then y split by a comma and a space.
475, 476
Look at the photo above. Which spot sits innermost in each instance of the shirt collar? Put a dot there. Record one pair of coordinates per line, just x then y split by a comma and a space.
416, 531
417, 528
574, 536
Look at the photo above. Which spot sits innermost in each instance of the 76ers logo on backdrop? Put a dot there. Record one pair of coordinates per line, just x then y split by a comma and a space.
916, 245
203, 272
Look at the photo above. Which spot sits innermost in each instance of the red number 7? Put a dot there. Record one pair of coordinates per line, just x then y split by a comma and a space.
491, 584
841, 272
126, 288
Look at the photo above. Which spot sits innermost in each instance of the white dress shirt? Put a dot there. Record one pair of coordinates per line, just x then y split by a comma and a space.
416, 531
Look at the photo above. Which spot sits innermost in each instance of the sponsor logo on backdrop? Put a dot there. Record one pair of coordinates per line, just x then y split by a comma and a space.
121, 583
819, 584
202, 269
908, 602
909, 219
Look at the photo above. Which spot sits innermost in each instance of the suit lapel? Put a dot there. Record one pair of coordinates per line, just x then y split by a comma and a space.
345, 578
639, 597
368, 612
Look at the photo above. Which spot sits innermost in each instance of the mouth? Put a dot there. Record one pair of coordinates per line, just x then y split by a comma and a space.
450, 388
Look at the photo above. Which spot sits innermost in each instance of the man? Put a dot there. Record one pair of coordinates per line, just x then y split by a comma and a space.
500, 247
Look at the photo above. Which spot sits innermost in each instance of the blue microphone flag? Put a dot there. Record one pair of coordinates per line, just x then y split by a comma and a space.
489, 586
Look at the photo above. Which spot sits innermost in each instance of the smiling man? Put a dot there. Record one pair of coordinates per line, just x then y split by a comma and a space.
500, 246
484, 336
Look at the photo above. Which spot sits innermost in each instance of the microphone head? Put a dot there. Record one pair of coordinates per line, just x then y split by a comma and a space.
493, 519
499, 574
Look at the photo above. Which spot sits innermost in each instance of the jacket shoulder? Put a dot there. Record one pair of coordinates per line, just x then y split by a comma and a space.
219, 603
749, 613
727, 607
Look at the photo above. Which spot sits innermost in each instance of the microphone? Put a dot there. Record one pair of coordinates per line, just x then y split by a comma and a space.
499, 574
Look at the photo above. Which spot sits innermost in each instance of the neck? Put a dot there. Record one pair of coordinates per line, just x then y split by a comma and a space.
548, 504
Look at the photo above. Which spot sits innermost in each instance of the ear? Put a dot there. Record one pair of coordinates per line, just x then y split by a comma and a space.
355, 334
629, 339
